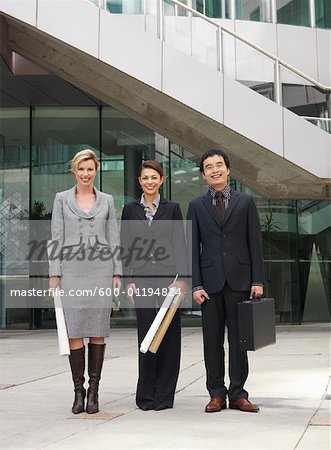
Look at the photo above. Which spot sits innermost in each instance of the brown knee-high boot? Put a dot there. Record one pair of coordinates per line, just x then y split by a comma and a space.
96, 353
77, 365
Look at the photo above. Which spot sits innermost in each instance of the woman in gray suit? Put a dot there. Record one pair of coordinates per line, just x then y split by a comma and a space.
87, 268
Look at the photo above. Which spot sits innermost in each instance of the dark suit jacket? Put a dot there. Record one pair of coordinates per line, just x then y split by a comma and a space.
160, 246
231, 252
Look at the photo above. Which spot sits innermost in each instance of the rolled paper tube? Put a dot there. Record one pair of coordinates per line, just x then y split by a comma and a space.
62, 333
153, 348
61, 326
144, 346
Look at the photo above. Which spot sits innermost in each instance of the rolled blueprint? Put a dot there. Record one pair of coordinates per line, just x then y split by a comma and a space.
156, 342
62, 333
156, 323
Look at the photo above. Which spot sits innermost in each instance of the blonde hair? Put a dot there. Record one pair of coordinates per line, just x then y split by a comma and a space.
84, 155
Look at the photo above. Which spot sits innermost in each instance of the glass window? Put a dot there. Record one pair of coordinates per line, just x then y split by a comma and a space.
14, 199
255, 10
185, 179
293, 12
125, 144
211, 8
125, 6
57, 135
323, 13
314, 253
279, 231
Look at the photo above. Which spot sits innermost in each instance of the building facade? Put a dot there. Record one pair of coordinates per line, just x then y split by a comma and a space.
45, 120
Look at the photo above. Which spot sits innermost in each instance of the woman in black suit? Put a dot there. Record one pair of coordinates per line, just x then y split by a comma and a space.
153, 246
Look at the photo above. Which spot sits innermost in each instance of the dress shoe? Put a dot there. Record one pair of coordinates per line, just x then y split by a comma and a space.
243, 405
145, 407
161, 407
216, 404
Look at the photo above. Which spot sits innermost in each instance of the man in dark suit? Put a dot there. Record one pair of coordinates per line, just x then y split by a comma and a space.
227, 268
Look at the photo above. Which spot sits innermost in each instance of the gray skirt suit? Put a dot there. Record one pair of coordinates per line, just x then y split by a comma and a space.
85, 254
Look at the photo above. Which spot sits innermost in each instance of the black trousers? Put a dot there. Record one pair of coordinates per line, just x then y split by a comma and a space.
158, 373
218, 311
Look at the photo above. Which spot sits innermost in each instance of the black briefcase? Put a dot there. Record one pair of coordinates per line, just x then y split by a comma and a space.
256, 323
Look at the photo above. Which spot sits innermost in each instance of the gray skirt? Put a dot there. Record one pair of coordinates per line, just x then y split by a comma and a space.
87, 299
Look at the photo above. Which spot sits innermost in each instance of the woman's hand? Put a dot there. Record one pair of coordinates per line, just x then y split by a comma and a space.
54, 282
130, 292
180, 286
117, 282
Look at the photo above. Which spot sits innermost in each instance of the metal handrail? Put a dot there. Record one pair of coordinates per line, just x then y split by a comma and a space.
275, 58
324, 123
322, 119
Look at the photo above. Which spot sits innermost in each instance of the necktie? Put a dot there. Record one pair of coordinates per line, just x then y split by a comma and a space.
220, 208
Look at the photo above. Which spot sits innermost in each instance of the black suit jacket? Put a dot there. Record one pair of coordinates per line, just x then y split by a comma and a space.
231, 252
160, 246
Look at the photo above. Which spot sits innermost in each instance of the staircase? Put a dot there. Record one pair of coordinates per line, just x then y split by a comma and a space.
194, 103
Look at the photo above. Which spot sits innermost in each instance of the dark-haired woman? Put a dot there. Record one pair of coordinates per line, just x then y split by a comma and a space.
152, 226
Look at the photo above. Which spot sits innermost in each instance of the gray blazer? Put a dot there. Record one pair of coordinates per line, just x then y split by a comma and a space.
74, 229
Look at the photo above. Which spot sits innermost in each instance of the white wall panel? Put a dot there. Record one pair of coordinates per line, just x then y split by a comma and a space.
250, 64
75, 22
192, 83
204, 42
252, 115
130, 50
306, 145
297, 46
324, 56
25, 10
177, 33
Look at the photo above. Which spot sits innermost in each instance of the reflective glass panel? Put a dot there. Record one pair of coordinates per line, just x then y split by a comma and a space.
314, 253
256, 10
323, 13
303, 99
293, 12
57, 135
14, 200
125, 145
255, 70
211, 8
125, 6
279, 230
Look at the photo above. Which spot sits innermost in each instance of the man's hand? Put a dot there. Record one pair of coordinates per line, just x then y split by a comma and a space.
130, 290
257, 290
200, 296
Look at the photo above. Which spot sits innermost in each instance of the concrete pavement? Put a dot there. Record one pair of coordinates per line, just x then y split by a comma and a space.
290, 382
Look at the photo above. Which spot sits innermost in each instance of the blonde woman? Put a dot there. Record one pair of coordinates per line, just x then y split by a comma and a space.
85, 266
